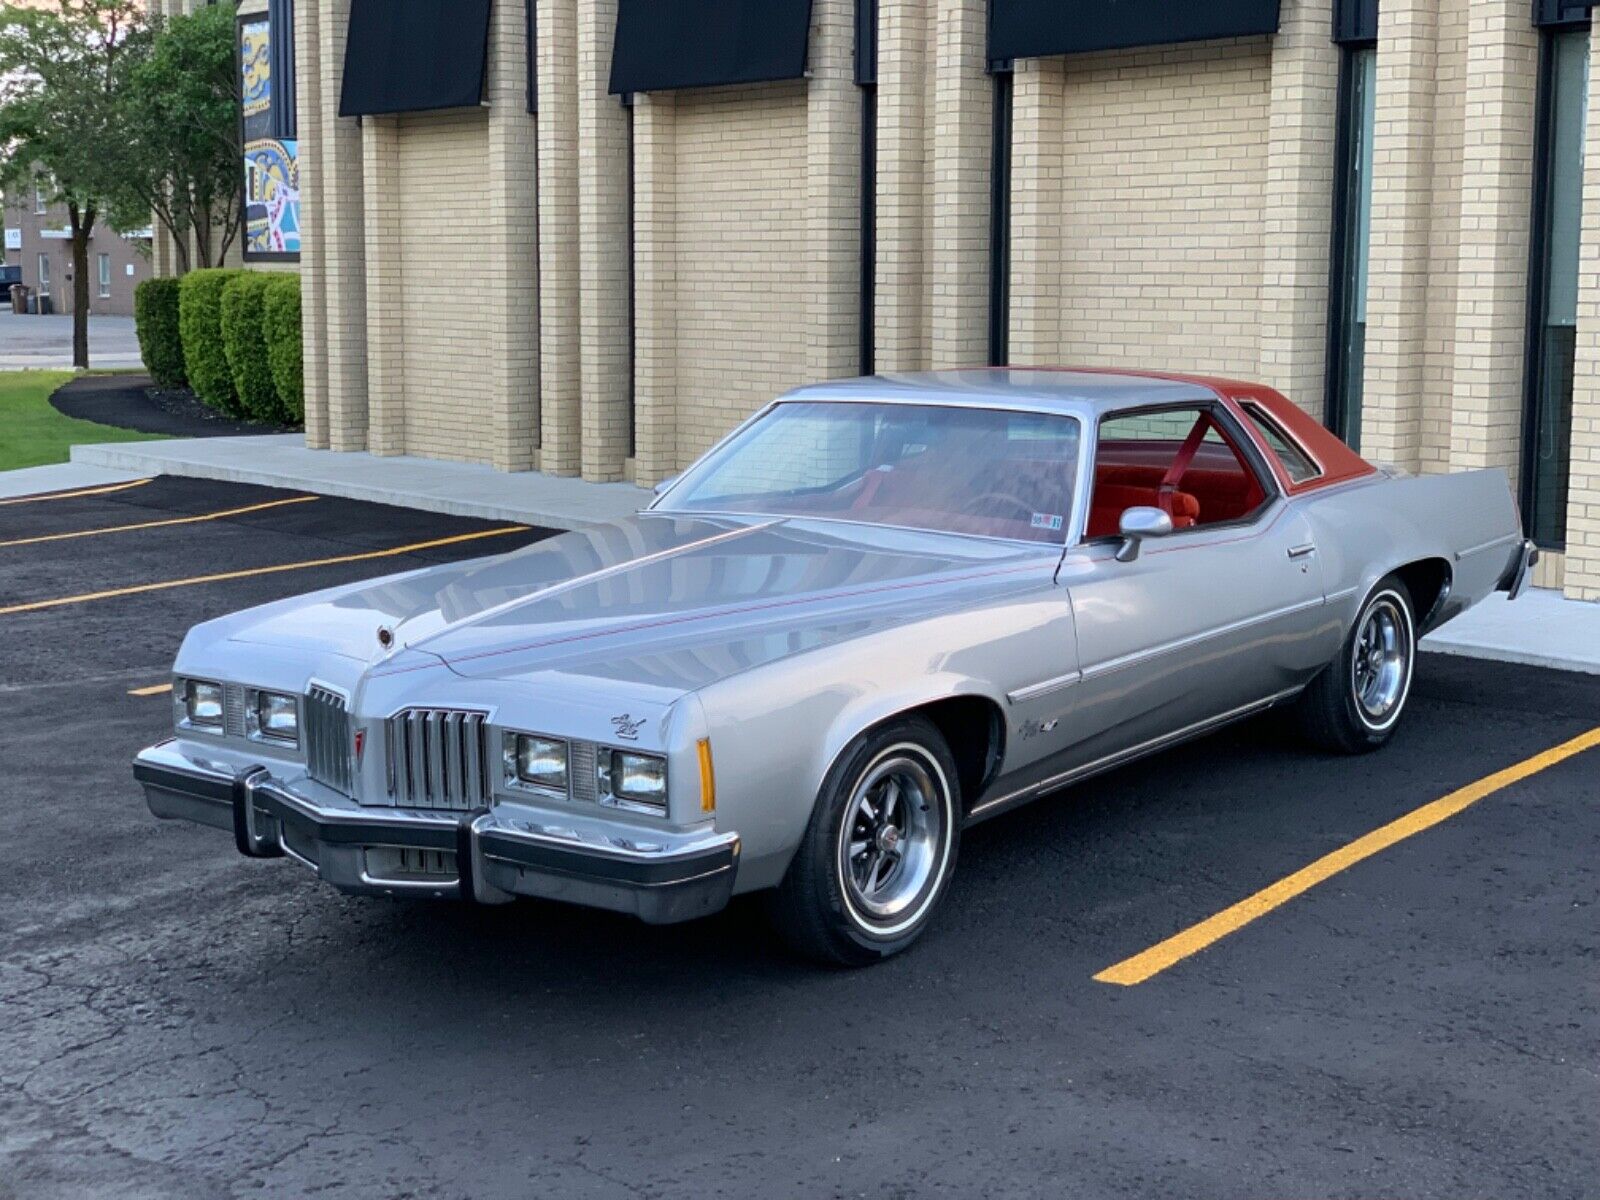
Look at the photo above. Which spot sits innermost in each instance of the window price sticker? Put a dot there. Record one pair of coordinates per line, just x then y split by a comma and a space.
1050, 521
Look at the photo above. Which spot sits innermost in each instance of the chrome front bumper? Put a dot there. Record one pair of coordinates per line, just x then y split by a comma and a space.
488, 856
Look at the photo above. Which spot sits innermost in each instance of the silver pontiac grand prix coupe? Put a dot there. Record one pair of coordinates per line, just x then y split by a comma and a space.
879, 611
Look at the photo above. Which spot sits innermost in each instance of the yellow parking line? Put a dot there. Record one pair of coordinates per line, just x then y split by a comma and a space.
216, 516
99, 491
160, 689
60, 601
1197, 937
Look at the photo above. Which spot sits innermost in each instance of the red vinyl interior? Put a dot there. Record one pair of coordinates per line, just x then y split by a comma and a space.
1214, 489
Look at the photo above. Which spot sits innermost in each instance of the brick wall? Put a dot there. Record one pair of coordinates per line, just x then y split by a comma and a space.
1169, 206
740, 251
444, 282
1162, 207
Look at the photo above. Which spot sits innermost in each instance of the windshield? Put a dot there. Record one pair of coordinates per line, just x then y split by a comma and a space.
956, 470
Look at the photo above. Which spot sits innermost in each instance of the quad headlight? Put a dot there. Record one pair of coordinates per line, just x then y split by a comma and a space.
636, 781
534, 761
197, 704
273, 717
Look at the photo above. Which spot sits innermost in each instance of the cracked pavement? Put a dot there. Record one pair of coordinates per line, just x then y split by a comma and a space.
176, 1021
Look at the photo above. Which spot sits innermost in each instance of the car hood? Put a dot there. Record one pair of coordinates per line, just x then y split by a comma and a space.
666, 600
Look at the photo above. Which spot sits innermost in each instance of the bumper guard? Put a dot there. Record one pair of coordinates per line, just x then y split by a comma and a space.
484, 856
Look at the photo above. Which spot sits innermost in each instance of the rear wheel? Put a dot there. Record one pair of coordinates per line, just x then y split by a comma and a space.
1356, 704
879, 850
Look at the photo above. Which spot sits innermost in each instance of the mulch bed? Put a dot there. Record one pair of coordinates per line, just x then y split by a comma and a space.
133, 402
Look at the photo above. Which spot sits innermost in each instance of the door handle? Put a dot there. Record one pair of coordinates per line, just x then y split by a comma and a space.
1298, 552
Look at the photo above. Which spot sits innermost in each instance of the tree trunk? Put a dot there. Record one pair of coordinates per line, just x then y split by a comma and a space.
82, 230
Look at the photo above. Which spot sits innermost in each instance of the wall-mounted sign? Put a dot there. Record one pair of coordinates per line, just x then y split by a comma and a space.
271, 161
13, 239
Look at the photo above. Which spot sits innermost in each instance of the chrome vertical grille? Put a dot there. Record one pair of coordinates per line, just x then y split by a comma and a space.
581, 762
327, 735
233, 710
439, 758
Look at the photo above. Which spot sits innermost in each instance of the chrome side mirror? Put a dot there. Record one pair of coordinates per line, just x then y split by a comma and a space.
661, 488
1138, 524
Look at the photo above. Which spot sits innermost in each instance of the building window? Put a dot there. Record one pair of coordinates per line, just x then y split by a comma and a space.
41, 201
1553, 299
44, 274
1352, 241
105, 276
1000, 218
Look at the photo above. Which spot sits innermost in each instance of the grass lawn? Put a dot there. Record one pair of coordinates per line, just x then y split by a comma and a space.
32, 434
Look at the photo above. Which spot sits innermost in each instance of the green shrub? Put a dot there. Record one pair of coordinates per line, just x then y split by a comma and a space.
244, 339
205, 358
283, 345
155, 318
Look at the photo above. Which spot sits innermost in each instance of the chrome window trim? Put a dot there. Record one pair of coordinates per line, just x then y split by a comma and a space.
1254, 410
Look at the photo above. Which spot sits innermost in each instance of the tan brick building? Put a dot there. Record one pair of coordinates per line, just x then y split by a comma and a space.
1389, 209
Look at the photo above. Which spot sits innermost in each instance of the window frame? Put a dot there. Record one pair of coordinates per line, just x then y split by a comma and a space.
44, 273
41, 205
103, 276
1337, 414
1538, 297
1257, 413
1228, 428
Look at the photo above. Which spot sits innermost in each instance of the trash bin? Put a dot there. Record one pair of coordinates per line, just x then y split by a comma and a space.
19, 298
45, 307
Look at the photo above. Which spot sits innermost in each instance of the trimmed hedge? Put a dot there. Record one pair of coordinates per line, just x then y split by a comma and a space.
283, 344
155, 318
245, 343
205, 356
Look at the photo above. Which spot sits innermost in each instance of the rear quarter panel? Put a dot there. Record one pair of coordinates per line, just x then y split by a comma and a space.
1365, 530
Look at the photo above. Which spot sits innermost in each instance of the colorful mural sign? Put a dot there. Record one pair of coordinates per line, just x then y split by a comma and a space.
271, 164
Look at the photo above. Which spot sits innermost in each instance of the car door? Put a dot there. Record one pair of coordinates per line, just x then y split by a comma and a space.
1220, 615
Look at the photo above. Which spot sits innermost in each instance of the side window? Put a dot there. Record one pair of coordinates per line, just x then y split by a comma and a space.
1296, 462
1174, 459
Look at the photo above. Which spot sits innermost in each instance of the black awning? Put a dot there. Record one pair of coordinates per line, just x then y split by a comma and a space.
1573, 13
1355, 21
1035, 28
667, 44
414, 55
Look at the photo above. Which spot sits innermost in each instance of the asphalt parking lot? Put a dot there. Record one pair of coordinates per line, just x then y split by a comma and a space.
181, 1022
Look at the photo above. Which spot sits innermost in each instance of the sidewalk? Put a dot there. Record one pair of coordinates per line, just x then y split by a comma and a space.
460, 489
1541, 629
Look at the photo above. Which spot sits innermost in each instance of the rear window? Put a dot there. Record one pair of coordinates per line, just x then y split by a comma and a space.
1296, 462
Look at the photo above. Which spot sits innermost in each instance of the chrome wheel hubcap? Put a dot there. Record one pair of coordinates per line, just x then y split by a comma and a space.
892, 838
1382, 665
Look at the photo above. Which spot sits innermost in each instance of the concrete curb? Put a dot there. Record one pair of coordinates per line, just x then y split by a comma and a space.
457, 489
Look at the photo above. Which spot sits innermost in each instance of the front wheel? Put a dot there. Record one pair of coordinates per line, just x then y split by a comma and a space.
1356, 704
879, 850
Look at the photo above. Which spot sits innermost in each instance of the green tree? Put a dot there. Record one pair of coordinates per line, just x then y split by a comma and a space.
183, 154
63, 74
